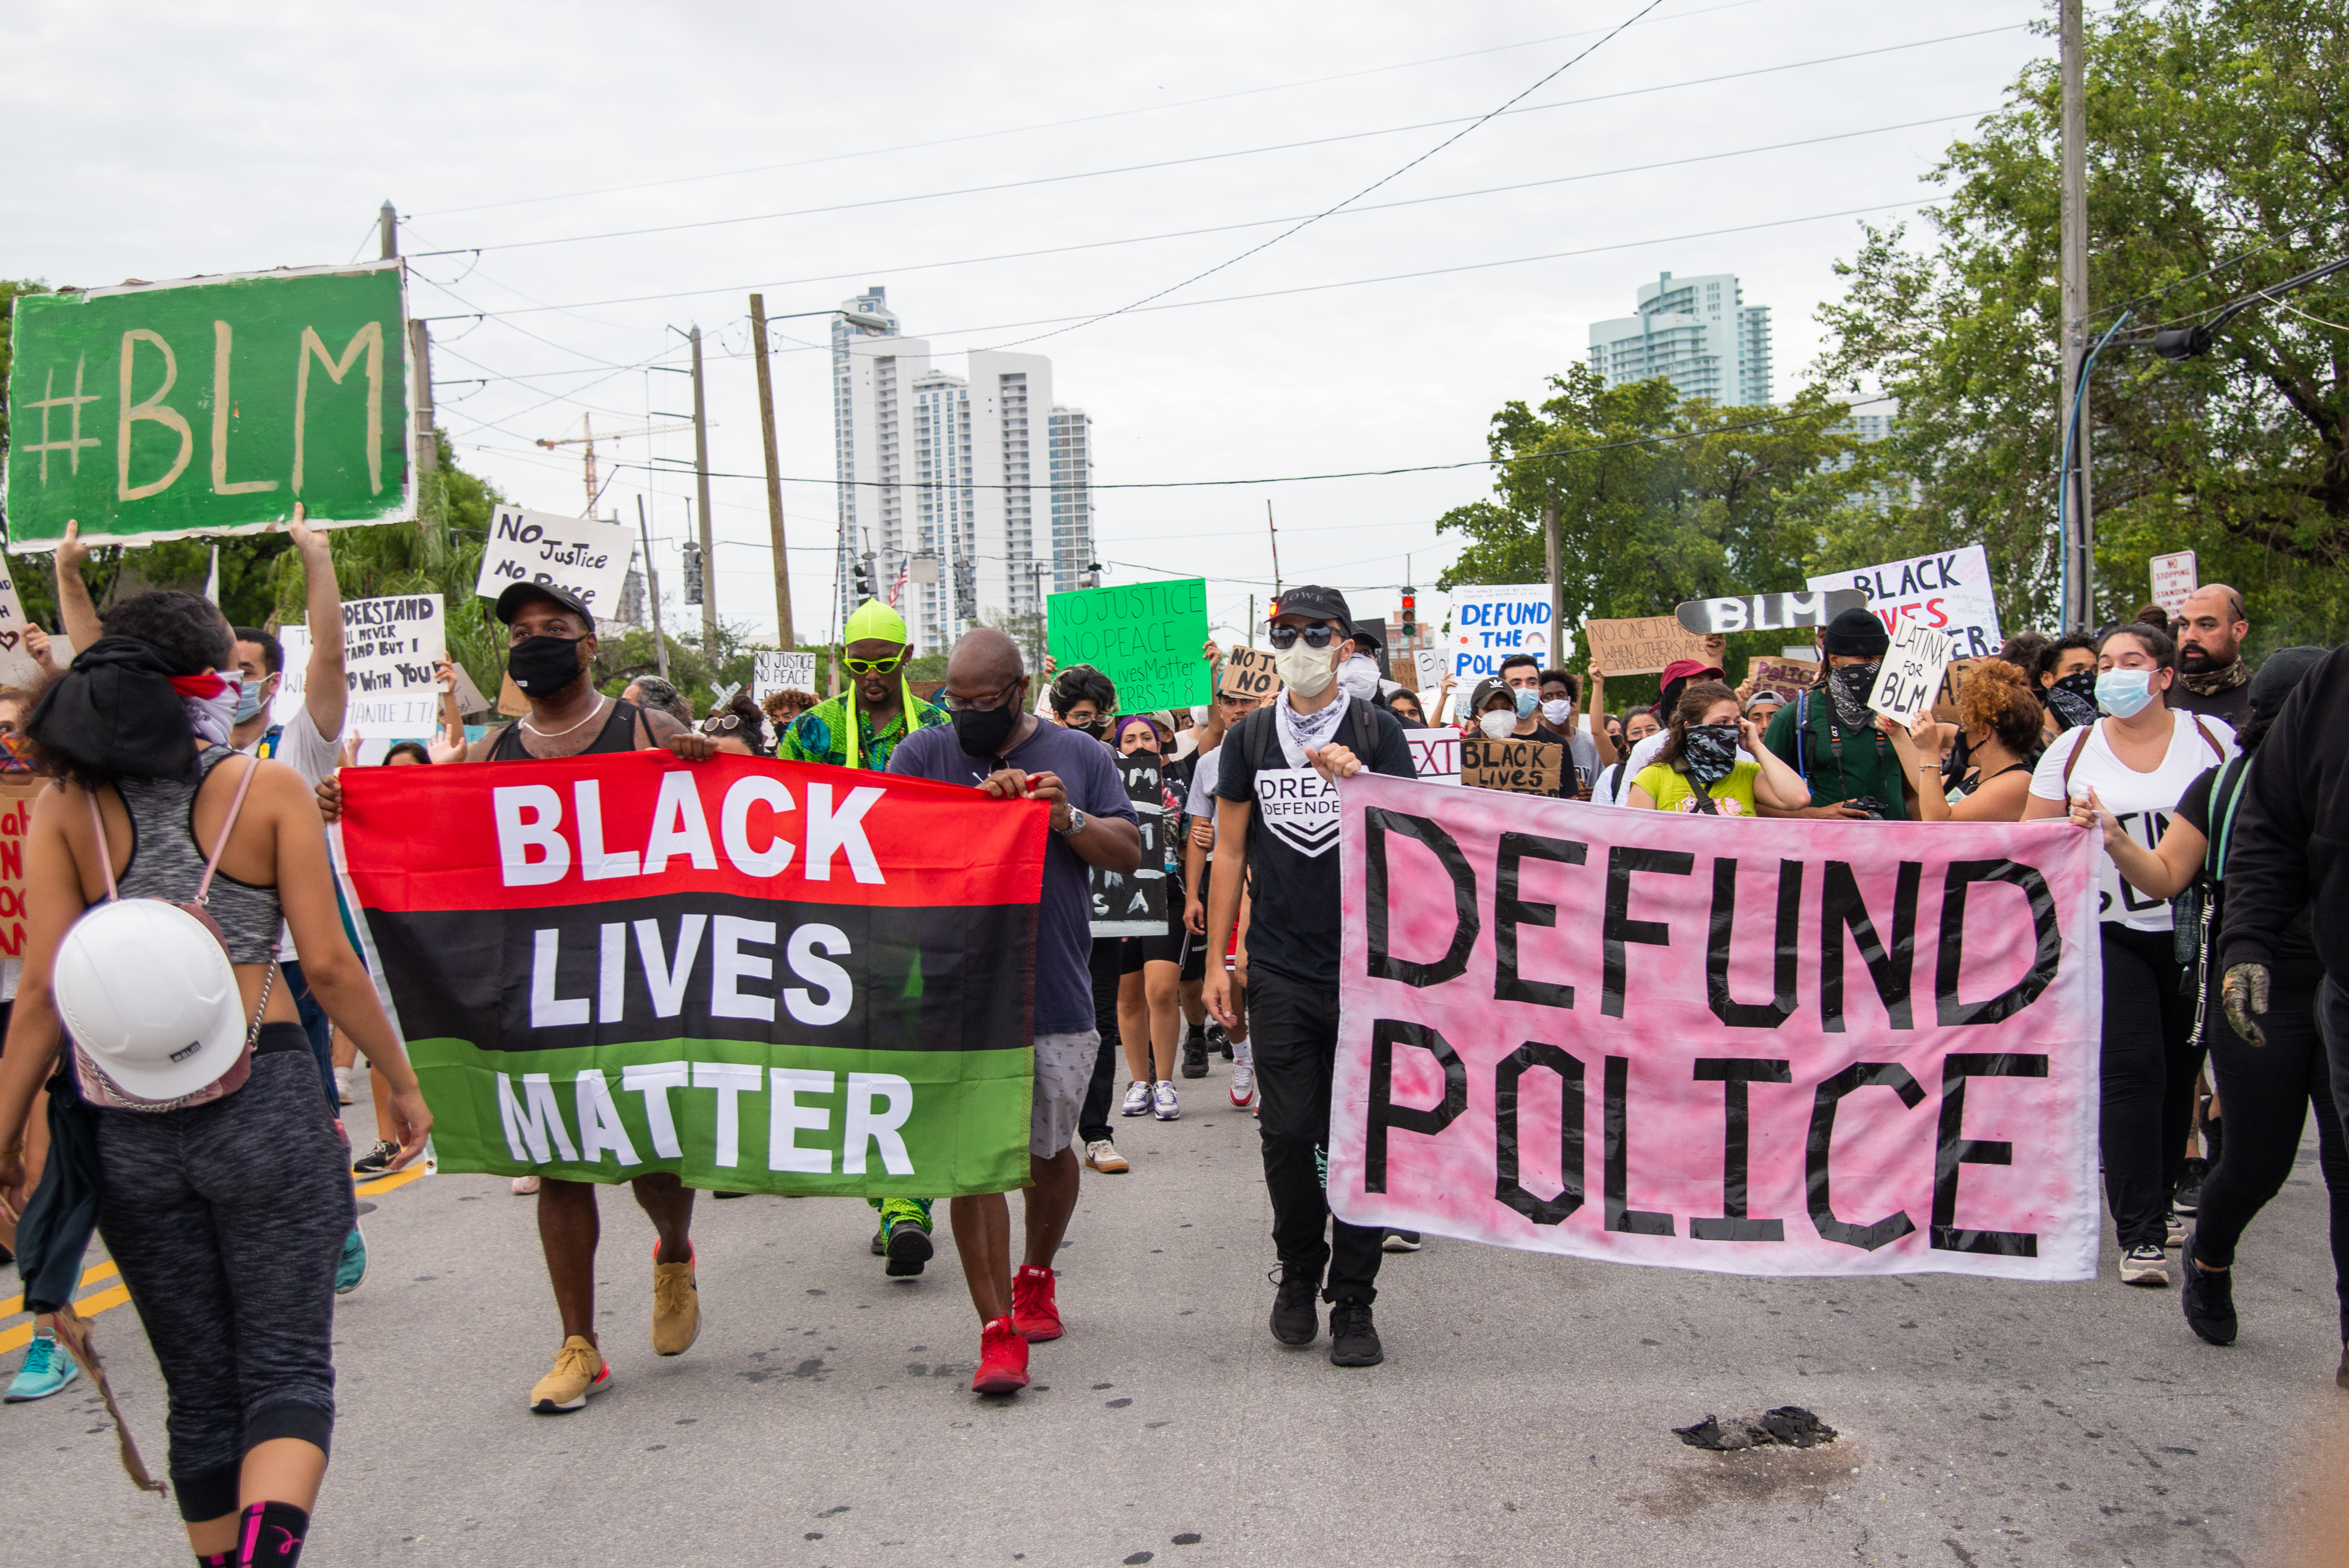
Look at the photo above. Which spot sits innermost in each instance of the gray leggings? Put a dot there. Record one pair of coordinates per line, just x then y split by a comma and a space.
227, 1220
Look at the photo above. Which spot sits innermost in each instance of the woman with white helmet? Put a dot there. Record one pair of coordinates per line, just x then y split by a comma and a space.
157, 869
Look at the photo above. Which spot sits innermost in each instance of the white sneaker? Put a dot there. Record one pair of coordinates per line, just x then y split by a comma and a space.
1242, 1083
2176, 1234
2146, 1264
1137, 1099
343, 1085
524, 1186
1162, 1104
1103, 1157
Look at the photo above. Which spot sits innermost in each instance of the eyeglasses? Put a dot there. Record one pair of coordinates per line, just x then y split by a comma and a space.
1318, 636
721, 724
857, 666
983, 705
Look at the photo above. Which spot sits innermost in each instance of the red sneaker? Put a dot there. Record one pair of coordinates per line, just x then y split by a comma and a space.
1002, 1359
1034, 1312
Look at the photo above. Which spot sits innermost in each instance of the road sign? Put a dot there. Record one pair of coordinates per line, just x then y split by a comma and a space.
2175, 578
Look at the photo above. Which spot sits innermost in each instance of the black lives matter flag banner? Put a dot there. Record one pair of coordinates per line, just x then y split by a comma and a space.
759, 975
1769, 1047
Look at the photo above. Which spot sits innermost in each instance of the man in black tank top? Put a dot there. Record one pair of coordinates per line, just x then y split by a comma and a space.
550, 653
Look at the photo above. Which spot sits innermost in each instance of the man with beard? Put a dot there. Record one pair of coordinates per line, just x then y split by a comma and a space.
2213, 677
1829, 735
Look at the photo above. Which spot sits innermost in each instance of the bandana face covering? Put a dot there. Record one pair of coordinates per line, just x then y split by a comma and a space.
1359, 678
1710, 750
1848, 688
212, 704
2074, 699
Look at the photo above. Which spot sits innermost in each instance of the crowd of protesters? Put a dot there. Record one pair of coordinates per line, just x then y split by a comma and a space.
2214, 788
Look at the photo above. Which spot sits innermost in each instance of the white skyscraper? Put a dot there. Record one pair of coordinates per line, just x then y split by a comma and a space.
945, 478
1698, 333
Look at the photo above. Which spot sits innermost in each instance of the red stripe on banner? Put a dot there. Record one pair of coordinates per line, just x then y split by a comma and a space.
538, 834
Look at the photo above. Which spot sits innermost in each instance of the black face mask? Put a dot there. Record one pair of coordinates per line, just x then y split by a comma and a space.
2073, 699
983, 730
542, 666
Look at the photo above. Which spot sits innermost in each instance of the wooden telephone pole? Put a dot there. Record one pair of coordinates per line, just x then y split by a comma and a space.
702, 509
784, 638
2079, 540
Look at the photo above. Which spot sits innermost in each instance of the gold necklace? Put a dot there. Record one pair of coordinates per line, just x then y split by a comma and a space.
558, 734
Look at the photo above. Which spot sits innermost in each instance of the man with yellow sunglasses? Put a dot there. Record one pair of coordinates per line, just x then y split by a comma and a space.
862, 728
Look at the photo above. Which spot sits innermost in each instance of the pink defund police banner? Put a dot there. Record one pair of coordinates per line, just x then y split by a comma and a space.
1755, 1046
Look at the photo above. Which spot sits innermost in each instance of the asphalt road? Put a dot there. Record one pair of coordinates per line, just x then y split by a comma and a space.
1523, 1414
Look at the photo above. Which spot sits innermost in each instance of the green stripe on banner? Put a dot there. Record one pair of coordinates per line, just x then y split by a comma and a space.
738, 1115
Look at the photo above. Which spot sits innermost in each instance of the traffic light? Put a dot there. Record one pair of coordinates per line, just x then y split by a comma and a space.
864, 586
692, 572
1410, 612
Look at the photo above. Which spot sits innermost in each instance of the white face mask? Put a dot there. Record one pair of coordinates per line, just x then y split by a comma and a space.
1499, 725
1558, 710
1359, 678
1306, 671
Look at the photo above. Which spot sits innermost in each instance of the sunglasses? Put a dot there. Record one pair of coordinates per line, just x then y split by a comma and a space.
721, 724
857, 666
1316, 636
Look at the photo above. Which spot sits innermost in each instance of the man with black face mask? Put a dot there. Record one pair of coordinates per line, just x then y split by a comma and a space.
1010, 754
551, 654
1828, 734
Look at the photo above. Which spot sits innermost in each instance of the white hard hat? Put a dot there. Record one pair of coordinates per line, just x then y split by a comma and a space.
148, 993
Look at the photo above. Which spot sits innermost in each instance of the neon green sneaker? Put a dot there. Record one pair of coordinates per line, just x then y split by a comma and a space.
903, 1237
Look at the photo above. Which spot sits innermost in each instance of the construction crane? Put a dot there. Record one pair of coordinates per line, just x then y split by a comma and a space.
588, 438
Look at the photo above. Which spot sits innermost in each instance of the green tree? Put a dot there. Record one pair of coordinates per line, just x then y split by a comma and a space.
2218, 142
1660, 499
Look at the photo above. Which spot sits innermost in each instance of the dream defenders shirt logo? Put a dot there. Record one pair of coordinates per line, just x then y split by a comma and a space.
1300, 806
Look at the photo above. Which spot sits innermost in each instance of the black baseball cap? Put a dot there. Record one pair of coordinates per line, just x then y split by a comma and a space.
1315, 603
517, 594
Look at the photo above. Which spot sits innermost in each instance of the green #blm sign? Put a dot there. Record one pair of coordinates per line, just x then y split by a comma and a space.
210, 406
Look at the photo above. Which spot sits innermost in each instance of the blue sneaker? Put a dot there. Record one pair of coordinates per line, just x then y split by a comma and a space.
352, 1268
49, 1367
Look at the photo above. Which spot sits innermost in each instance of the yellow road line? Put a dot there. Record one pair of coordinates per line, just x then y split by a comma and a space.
89, 1276
396, 1179
87, 1306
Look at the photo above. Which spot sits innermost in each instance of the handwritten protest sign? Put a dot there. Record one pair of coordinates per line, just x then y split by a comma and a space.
17, 665
1520, 767
1912, 671
1434, 755
1427, 664
1768, 612
1146, 637
2175, 578
842, 958
772, 671
1248, 672
16, 792
390, 647
1949, 591
1787, 675
1494, 621
1782, 1051
1136, 905
205, 406
1643, 646
586, 557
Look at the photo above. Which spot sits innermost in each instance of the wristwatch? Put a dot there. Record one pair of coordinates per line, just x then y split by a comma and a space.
1076, 822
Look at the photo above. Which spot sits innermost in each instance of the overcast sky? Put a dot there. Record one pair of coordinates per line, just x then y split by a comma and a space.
161, 140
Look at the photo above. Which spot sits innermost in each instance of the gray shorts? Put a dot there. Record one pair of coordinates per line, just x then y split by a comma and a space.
1065, 1067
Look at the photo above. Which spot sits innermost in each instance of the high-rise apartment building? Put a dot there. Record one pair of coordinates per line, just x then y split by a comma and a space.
944, 479
1698, 333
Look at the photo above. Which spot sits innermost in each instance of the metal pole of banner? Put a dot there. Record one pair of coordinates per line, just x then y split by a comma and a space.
652, 589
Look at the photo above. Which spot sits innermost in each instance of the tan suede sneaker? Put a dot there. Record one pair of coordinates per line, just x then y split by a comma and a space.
677, 1305
579, 1371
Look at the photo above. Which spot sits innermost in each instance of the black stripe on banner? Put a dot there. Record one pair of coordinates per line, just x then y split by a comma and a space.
710, 967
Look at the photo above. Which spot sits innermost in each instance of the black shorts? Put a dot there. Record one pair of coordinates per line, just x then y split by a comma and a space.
1142, 950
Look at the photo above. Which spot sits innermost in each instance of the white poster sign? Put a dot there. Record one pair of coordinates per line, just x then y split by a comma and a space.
1911, 672
389, 649
586, 557
295, 641
1948, 591
772, 671
1429, 665
2175, 578
17, 665
1491, 622
1435, 755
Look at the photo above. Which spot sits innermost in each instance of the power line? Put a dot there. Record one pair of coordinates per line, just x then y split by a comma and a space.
1055, 124
1471, 122
1225, 228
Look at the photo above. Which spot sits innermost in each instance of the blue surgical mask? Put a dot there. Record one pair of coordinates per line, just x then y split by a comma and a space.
2123, 693
1528, 699
248, 697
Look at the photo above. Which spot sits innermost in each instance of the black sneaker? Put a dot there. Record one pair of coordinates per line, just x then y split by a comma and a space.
1353, 1338
2190, 1186
1296, 1319
1195, 1055
376, 1160
2210, 1300
1219, 1042
1401, 1242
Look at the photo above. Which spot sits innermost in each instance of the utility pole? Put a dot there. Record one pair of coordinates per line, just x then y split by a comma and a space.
387, 227
783, 638
701, 494
426, 456
1274, 528
652, 588
1557, 578
2079, 540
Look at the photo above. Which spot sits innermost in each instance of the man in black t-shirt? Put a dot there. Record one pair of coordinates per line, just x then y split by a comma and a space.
1277, 825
